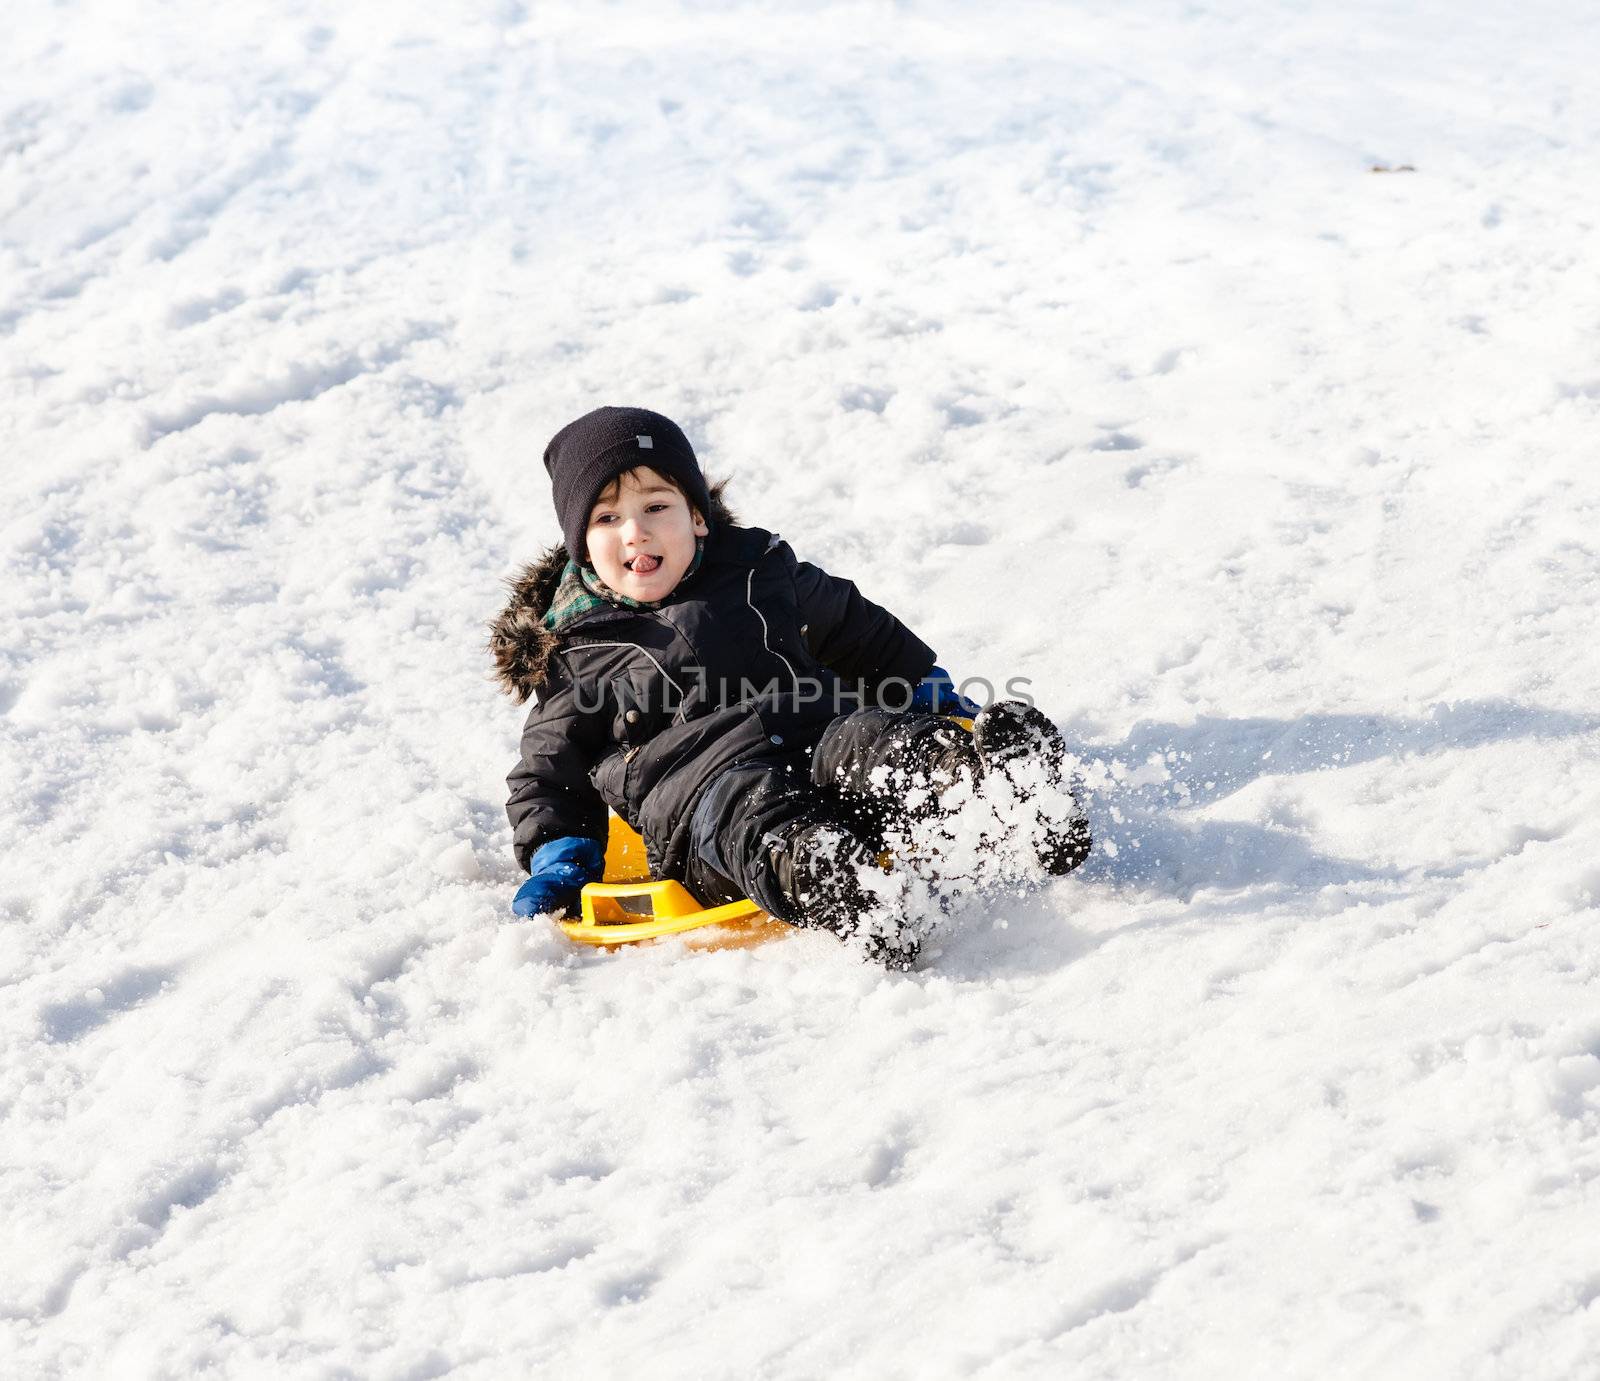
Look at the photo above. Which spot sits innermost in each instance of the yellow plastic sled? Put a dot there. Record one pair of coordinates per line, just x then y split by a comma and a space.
628, 906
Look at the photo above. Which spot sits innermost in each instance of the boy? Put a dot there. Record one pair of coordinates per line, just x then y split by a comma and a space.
754, 718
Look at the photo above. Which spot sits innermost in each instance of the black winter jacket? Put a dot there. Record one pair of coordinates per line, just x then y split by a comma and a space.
637, 709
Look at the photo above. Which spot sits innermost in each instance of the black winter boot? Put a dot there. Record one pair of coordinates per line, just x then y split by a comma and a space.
1011, 734
818, 869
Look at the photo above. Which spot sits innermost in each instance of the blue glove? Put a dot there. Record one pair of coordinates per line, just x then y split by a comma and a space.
936, 694
556, 874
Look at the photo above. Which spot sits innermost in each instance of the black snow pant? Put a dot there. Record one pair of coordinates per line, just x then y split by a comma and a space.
857, 778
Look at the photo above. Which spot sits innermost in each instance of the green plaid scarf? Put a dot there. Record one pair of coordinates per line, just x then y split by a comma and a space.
581, 591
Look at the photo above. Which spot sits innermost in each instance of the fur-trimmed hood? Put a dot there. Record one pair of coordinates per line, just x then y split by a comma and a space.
518, 640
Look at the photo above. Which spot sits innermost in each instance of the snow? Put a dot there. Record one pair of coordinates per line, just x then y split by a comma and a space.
1081, 335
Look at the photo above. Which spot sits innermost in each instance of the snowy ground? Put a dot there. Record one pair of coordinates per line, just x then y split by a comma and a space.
1086, 338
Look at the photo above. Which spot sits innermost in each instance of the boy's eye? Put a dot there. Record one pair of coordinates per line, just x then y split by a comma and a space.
603, 518
656, 508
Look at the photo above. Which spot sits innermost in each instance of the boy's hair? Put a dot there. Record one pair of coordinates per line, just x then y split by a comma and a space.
601, 446
612, 488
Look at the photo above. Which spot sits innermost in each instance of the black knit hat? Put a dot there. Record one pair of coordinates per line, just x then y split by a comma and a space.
586, 455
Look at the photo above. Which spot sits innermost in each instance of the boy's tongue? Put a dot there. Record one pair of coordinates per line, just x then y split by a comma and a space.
643, 565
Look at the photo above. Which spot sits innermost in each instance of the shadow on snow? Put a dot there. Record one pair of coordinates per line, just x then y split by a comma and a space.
1162, 773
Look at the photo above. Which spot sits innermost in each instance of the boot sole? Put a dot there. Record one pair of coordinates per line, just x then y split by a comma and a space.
1009, 730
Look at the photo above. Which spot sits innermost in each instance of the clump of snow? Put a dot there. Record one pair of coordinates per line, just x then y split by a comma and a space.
1088, 340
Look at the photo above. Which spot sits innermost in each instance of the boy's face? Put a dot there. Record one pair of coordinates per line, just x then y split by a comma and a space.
641, 535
